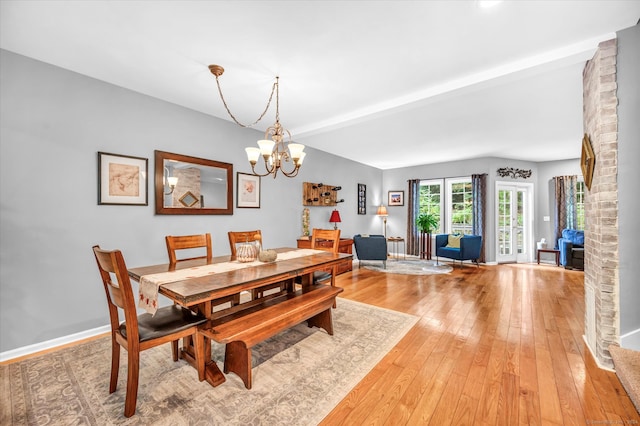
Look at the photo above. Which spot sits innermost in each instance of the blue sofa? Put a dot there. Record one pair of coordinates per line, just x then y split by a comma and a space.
571, 246
371, 247
470, 246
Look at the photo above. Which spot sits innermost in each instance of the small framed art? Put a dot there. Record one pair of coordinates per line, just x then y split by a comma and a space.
362, 198
587, 161
396, 198
248, 187
122, 179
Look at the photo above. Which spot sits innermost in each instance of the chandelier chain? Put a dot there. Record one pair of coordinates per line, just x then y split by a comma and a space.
274, 88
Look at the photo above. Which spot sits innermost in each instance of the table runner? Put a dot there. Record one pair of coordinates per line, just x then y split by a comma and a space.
149, 284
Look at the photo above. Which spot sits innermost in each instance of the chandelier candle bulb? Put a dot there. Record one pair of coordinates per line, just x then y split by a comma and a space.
266, 148
252, 154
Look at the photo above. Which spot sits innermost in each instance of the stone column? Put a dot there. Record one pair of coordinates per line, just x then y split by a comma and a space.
601, 203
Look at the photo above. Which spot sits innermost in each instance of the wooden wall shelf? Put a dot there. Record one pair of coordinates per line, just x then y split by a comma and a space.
320, 194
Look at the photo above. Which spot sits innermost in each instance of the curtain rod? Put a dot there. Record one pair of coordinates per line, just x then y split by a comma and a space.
450, 177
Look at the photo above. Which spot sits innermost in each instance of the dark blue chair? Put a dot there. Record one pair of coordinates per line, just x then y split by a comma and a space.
371, 247
571, 246
470, 246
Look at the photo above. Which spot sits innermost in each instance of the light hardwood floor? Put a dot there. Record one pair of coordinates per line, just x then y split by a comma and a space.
495, 345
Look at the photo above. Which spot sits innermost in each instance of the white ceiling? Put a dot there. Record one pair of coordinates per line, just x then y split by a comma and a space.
431, 80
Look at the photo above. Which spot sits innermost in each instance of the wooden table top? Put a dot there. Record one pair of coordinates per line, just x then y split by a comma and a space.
197, 290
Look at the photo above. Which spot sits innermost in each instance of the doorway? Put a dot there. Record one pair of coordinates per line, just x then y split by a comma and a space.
514, 227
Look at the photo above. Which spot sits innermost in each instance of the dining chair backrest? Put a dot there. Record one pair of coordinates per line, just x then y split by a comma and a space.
119, 294
325, 239
189, 242
239, 237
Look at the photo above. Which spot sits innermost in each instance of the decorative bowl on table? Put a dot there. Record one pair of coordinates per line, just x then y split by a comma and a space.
267, 256
247, 252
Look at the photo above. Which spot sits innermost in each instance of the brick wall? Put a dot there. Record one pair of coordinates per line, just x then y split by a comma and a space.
601, 209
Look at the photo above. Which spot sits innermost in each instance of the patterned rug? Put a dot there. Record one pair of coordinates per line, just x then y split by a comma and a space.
409, 267
627, 365
299, 376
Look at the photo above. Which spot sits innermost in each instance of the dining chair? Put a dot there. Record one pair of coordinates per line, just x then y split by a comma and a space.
240, 237
189, 242
327, 240
140, 332
193, 244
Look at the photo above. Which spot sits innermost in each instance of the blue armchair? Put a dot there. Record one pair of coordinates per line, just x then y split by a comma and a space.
371, 247
468, 247
571, 246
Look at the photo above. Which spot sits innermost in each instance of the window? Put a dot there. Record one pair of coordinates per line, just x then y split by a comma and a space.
580, 205
460, 206
455, 212
430, 200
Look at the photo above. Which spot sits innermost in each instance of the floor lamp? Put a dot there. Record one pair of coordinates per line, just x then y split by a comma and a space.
382, 212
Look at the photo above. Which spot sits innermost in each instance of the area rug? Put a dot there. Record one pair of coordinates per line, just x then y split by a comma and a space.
299, 376
409, 267
627, 365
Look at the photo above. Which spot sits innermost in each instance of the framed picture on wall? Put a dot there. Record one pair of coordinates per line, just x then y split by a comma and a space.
396, 198
587, 161
362, 198
248, 188
122, 179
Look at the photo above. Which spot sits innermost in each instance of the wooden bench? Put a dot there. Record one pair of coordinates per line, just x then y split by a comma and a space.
241, 328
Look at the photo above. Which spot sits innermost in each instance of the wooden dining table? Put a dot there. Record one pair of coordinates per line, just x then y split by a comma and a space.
198, 293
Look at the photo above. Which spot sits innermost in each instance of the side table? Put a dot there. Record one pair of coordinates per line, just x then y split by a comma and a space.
557, 253
395, 241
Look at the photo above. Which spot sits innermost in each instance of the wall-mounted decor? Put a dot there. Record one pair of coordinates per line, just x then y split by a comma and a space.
587, 161
209, 182
362, 198
514, 173
122, 179
248, 190
320, 194
396, 198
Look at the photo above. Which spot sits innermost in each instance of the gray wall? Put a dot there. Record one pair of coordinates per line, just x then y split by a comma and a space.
628, 62
542, 173
53, 123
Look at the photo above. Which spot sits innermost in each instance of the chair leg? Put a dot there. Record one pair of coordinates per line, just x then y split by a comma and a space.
133, 369
115, 364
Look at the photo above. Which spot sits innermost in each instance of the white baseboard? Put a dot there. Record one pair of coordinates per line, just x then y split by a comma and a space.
595, 358
38, 347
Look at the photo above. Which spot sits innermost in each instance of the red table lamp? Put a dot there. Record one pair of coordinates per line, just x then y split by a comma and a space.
335, 219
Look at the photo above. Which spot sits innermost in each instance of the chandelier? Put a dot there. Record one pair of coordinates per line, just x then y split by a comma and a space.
275, 151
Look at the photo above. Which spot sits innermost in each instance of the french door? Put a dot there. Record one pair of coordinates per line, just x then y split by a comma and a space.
514, 207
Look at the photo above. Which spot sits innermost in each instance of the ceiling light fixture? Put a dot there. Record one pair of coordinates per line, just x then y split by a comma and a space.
488, 3
274, 149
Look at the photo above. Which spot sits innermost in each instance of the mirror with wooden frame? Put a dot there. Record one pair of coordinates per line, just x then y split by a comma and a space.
191, 185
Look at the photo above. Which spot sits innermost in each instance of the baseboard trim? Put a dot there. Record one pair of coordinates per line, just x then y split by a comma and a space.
53, 343
602, 367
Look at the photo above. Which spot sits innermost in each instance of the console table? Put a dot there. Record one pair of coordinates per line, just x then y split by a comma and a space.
345, 246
